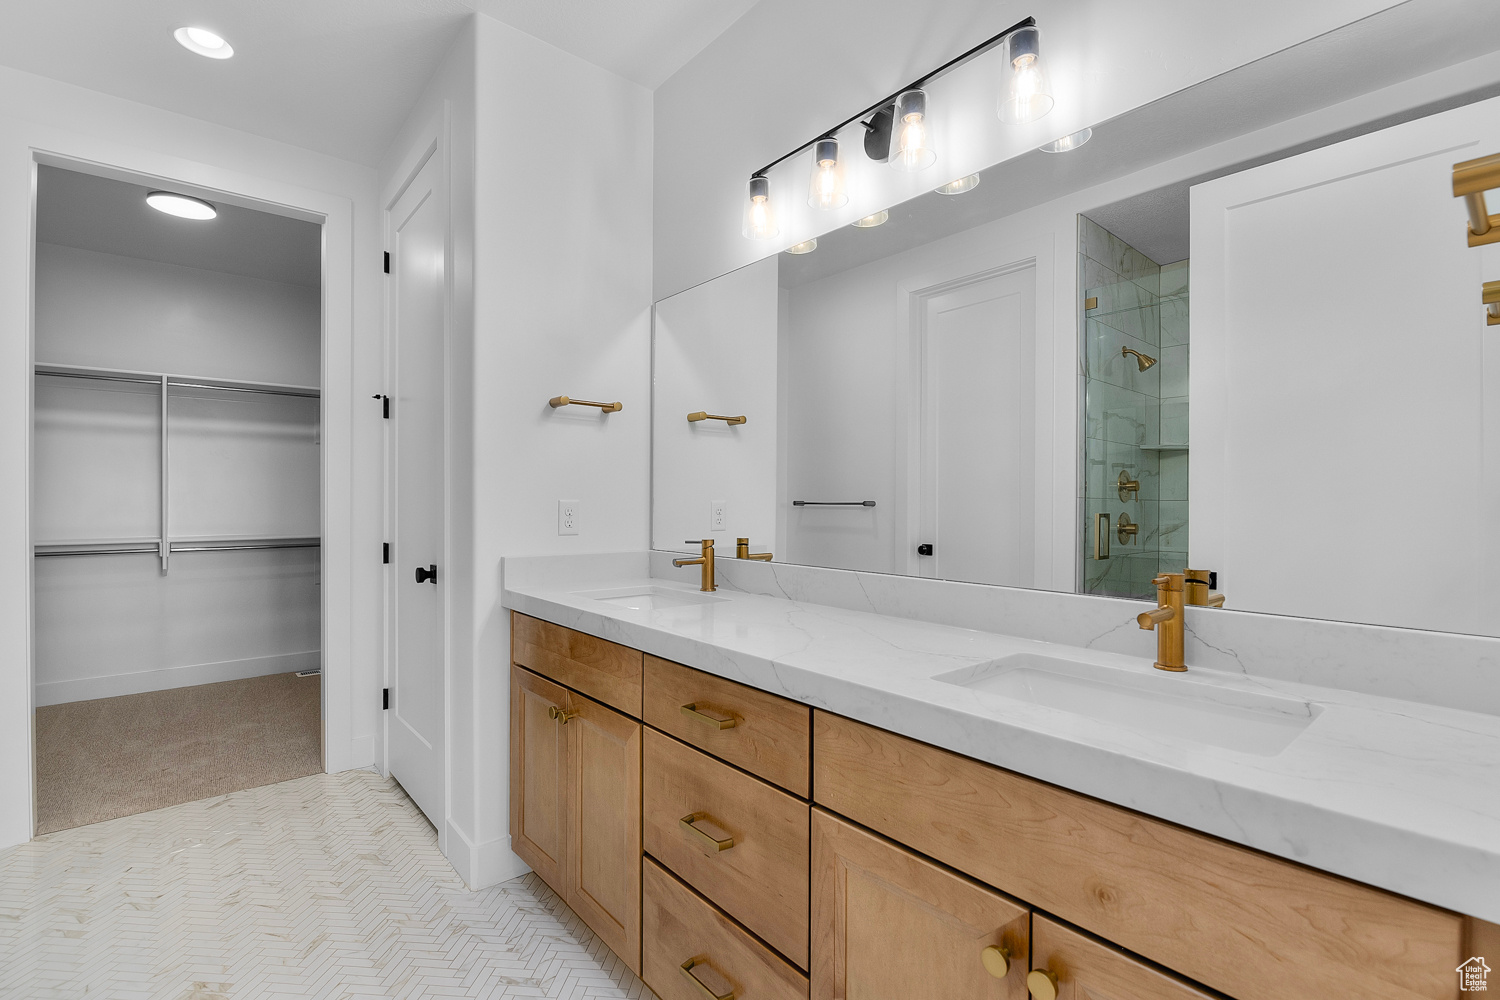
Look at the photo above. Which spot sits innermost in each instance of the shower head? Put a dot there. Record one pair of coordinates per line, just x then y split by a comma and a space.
1144, 361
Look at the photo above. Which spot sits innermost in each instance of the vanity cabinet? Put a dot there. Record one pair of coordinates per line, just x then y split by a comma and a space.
891, 925
1073, 966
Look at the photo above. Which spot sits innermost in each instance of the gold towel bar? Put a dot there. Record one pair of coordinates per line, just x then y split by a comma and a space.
557, 401
703, 415
1471, 179
1491, 300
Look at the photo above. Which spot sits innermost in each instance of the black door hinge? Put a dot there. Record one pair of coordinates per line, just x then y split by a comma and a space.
385, 553
385, 405
387, 262
385, 699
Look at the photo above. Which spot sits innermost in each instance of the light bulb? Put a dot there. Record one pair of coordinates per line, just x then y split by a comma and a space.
1027, 96
871, 221
203, 42
806, 246
1068, 142
181, 206
959, 186
911, 143
760, 215
827, 189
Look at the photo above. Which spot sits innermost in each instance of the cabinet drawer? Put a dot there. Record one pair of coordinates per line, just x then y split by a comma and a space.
761, 880
684, 932
1082, 968
601, 669
889, 925
761, 733
1244, 923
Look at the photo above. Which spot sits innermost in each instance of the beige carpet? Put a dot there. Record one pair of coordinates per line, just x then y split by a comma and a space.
97, 760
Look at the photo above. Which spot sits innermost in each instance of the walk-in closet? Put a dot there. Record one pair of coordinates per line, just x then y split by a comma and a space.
176, 514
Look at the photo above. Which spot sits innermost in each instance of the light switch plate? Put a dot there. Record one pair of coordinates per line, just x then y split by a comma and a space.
567, 517
716, 518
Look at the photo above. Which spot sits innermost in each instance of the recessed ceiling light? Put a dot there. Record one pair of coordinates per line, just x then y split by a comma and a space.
806, 246
959, 186
871, 221
181, 205
203, 42
1068, 142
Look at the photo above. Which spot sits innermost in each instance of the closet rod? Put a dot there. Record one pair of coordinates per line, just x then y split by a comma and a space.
181, 383
153, 549
101, 377
242, 388
245, 546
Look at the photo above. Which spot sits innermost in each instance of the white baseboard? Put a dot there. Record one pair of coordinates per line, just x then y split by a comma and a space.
112, 685
482, 865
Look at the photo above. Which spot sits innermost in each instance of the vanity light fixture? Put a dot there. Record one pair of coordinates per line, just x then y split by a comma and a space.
1027, 97
827, 189
959, 186
204, 42
760, 214
898, 130
181, 206
871, 221
1068, 142
806, 246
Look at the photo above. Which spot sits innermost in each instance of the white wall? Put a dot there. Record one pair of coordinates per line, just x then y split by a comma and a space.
1344, 384
552, 288
716, 350
773, 81
70, 124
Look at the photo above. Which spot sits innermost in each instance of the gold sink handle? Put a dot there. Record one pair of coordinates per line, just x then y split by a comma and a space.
687, 970
1042, 984
692, 711
711, 845
996, 959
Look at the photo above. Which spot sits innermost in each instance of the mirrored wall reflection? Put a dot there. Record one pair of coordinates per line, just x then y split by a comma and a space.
1133, 501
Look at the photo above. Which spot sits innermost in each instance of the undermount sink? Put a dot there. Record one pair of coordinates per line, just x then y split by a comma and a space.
650, 598
1160, 705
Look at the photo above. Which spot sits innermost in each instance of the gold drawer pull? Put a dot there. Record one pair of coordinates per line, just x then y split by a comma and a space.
710, 844
996, 959
555, 713
687, 970
1042, 984
691, 711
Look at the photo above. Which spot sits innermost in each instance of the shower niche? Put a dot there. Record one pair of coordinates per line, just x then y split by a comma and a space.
1133, 483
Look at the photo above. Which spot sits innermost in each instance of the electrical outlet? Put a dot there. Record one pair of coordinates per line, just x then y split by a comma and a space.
716, 519
567, 517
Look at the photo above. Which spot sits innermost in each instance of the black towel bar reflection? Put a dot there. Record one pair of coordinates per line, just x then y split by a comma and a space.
833, 503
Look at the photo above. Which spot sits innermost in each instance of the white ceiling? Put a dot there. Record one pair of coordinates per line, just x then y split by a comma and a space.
110, 216
337, 76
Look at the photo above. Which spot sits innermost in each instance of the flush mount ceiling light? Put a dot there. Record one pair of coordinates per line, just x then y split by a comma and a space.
806, 246
871, 221
959, 186
181, 205
898, 130
203, 42
1068, 142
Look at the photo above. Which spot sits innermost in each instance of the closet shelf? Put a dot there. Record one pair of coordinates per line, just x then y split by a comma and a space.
177, 381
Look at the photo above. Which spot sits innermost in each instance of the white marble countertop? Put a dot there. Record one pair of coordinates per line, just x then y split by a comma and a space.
1394, 794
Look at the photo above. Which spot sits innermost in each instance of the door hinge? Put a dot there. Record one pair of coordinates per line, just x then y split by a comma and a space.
385, 553
385, 699
387, 262
385, 405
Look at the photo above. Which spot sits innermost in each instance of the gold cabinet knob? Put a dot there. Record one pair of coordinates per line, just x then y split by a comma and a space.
555, 713
1042, 984
996, 959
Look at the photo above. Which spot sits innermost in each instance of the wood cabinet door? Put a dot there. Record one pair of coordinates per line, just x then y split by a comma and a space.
538, 775
1071, 965
890, 925
603, 857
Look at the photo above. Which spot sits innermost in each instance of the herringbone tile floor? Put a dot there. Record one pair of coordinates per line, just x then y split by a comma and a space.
329, 886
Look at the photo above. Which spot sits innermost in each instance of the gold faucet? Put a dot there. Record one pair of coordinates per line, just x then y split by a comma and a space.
1167, 621
742, 551
706, 560
1195, 589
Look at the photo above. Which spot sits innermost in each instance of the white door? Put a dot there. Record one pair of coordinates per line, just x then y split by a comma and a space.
978, 430
418, 239
1344, 385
